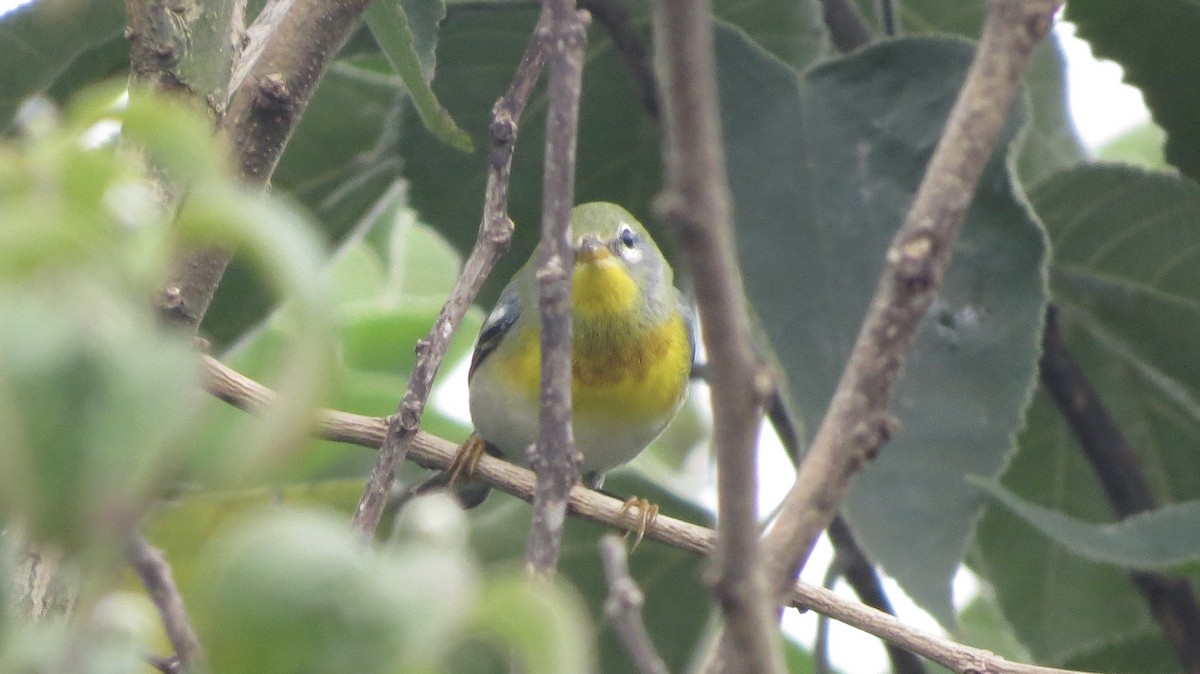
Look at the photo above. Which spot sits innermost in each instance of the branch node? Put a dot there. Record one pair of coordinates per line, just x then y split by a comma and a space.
273, 93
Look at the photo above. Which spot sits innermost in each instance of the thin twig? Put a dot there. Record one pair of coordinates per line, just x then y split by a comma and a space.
857, 422
1172, 600
697, 202
435, 453
860, 574
495, 234
614, 16
856, 567
152, 568
889, 17
847, 29
554, 458
623, 608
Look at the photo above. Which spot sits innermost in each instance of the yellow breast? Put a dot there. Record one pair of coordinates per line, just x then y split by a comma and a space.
616, 375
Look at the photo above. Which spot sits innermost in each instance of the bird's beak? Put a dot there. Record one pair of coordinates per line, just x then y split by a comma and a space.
591, 250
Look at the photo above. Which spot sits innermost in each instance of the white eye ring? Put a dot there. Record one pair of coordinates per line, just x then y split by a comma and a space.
627, 236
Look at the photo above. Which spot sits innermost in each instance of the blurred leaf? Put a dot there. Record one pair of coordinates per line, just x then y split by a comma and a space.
295, 591
388, 301
822, 170
539, 621
92, 399
677, 603
1142, 146
341, 164
1126, 287
394, 29
59, 44
1153, 41
1157, 540
1139, 654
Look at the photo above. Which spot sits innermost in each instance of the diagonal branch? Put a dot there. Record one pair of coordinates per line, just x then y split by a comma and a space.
495, 233
857, 422
623, 607
152, 568
435, 453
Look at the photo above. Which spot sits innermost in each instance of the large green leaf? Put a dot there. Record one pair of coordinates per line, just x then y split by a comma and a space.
823, 170
1060, 606
45, 42
618, 156
1124, 279
1154, 41
1051, 142
1157, 540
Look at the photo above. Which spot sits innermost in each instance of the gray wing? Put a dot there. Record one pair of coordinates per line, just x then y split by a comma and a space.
498, 323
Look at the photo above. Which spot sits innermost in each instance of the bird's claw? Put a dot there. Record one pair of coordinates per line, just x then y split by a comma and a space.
647, 513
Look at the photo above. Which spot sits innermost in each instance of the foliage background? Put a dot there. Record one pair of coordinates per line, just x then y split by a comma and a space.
361, 240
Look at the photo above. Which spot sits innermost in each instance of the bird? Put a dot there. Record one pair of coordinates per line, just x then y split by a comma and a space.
632, 353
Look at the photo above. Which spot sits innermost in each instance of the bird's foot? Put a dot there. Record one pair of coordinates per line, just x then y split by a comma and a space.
466, 460
647, 512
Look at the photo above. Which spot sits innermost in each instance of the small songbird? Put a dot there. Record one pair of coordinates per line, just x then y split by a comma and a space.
632, 355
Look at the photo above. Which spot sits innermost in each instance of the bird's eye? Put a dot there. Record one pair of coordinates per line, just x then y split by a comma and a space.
627, 235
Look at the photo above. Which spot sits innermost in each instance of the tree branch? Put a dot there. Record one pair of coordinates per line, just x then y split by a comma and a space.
435, 453
289, 46
847, 29
614, 16
856, 567
152, 568
554, 458
495, 234
697, 201
1172, 600
623, 608
857, 422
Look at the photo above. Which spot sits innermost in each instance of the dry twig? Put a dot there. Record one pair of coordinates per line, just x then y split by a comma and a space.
623, 608
495, 233
435, 453
857, 423
152, 568
554, 458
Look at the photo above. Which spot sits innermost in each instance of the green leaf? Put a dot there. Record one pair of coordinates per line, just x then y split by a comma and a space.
1059, 605
1142, 146
1157, 540
618, 156
540, 621
1153, 40
295, 591
45, 42
1127, 297
981, 624
822, 170
1050, 141
395, 32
